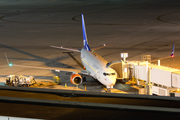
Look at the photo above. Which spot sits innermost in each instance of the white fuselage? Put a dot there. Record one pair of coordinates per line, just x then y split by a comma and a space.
96, 66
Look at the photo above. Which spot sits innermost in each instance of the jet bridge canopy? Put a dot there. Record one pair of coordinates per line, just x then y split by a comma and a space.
121, 68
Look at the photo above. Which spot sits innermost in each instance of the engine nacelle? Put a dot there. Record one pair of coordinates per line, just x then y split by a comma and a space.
76, 79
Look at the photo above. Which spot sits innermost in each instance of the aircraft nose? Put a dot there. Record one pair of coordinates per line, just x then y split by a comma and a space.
112, 82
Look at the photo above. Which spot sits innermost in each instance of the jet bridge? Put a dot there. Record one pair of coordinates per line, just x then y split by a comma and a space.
123, 69
156, 79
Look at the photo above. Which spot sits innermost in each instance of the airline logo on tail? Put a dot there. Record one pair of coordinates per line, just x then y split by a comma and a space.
86, 46
172, 55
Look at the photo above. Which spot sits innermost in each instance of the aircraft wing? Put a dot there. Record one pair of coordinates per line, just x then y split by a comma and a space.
54, 68
101, 46
71, 49
160, 58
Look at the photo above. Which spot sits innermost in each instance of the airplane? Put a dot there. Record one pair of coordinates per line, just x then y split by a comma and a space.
93, 64
171, 56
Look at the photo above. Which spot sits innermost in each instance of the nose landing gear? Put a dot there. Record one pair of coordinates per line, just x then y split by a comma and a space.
108, 90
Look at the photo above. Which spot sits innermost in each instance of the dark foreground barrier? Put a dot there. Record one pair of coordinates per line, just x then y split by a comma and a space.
85, 104
71, 93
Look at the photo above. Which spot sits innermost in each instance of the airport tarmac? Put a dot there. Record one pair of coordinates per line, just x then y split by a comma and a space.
85, 86
138, 27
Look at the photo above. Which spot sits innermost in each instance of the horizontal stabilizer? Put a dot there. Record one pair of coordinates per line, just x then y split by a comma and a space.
101, 46
70, 49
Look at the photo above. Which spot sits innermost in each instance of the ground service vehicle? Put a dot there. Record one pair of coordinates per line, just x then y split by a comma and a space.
21, 80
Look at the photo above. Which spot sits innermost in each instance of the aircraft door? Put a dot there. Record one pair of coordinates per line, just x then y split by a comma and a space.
98, 75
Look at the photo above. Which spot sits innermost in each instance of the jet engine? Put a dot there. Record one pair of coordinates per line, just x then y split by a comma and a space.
76, 79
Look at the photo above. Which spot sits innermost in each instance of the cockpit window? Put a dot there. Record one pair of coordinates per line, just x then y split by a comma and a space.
112, 73
108, 74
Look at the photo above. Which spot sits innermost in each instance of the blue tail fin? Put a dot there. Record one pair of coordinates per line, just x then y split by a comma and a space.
172, 55
86, 46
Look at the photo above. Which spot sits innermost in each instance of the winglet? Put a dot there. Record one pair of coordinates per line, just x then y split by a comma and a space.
85, 42
10, 64
172, 55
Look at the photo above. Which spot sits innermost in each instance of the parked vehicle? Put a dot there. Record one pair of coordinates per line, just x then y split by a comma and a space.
21, 80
